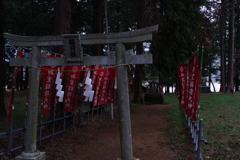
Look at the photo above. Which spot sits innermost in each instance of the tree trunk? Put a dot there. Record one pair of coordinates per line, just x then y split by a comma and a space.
98, 6
62, 26
138, 71
237, 48
213, 85
167, 89
210, 71
3, 112
222, 49
62, 20
230, 84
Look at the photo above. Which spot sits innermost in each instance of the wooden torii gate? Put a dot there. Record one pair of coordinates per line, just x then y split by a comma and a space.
73, 56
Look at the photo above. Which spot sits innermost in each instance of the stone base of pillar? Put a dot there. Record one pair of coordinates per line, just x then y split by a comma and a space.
32, 156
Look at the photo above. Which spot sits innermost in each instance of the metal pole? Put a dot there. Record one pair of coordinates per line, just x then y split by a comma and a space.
199, 140
40, 132
123, 105
111, 108
53, 125
10, 137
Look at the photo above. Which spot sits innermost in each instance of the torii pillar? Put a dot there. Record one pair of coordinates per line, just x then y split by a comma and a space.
36, 60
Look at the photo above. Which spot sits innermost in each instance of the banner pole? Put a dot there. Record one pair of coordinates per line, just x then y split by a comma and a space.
201, 60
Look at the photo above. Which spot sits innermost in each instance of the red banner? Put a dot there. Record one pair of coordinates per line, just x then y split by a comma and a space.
94, 75
182, 85
70, 94
10, 104
47, 73
196, 96
103, 91
108, 77
49, 89
43, 68
100, 74
192, 82
110, 94
186, 85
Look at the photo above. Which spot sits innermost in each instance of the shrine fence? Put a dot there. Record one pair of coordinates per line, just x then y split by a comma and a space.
196, 132
14, 140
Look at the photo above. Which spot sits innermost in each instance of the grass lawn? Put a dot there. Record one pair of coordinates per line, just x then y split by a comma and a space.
221, 125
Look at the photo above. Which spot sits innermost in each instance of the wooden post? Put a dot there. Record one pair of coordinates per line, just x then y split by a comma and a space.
123, 104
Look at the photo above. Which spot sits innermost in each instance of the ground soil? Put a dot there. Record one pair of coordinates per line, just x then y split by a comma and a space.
99, 140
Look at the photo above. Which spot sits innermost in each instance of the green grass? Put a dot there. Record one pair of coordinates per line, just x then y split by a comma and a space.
170, 98
221, 126
178, 135
19, 111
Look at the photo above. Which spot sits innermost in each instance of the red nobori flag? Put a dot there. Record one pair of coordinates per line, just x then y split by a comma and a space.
197, 89
49, 73
103, 91
100, 74
94, 75
192, 83
110, 94
182, 86
196, 96
70, 94
185, 98
10, 104
43, 68
49, 89
109, 75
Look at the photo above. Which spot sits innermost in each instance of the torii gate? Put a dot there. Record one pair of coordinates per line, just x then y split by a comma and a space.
73, 56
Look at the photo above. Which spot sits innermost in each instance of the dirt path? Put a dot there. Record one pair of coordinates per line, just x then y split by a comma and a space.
99, 140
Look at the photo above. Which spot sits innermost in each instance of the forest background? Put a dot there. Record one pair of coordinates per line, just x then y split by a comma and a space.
183, 26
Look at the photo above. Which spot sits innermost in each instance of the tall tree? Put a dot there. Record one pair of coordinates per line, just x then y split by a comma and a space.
230, 83
222, 46
3, 112
62, 20
138, 71
179, 31
98, 23
62, 26
143, 20
237, 49
30, 18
